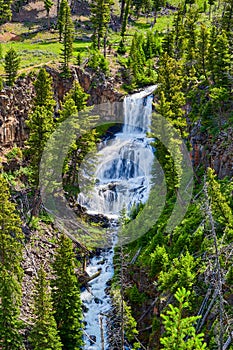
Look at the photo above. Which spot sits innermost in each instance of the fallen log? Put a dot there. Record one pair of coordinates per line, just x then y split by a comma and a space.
84, 279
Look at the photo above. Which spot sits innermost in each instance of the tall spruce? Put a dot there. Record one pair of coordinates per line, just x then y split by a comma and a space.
180, 331
68, 38
66, 296
10, 271
44, 334
11, 65
60, 18
100, 17
48, 5
5, 11
171, 82
40, 121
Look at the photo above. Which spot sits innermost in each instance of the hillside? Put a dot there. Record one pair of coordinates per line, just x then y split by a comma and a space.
116, 121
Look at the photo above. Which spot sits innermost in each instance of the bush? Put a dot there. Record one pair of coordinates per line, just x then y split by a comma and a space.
14, 153
98, 62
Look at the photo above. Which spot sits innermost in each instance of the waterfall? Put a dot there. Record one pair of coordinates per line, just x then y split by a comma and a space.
122, 180
123, 171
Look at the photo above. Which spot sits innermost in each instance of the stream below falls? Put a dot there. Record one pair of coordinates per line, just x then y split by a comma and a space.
122, 180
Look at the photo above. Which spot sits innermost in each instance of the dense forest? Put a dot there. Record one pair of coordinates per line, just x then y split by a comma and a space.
172, 285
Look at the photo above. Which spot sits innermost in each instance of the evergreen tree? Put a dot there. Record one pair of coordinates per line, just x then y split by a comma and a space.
40, 122
41, 125
137, 60
44, 92
202, 51
60, 19
5, 11
48, 5
227, 18
125, 20
44, 334
78, 95
10, 271
178, 29
68, 37
168, 43
100, 10
157, 4
171, 80
66, 296
180, 332
12, 62
222, 61
211, 3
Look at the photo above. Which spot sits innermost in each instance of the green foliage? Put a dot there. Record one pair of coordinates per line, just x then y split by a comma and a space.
44, 334
140, 65
66, 296
78, 95
11, 65
43, 88
135, 296
5, 11
48, 5
159, 260
41, 125
97, 62
14, 153
10, 271
180, 332
61, 18
181, 274
40, 121
68, 38
100, 18
1, 83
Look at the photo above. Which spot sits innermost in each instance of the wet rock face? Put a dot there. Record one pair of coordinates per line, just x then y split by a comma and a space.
15, 104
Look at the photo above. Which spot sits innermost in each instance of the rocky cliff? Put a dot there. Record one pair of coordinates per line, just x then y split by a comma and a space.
16, 102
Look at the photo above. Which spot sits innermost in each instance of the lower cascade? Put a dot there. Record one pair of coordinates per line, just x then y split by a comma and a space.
122, 179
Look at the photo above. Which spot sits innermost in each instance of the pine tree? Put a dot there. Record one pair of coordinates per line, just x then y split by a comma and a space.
178, 29
44, 92
12, 62
10, 271
202, 53
180, 332
137, 59
44, 334
222, 61
78, 95
171, 80
60, 19
211, 3
157, 4
68, 37
48, 5
41, 125
66, 296
40, 122
100, 10
5, 11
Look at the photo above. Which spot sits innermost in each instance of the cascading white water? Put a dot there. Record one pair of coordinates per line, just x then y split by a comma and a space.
124, 165
122, 179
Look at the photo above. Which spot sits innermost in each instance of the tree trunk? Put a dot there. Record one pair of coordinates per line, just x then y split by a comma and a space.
122, 10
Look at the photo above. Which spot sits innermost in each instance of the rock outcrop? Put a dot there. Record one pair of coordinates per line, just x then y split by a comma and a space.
16, 102
214, 151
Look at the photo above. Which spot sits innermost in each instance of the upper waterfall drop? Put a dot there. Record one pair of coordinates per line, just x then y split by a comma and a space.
123, 169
